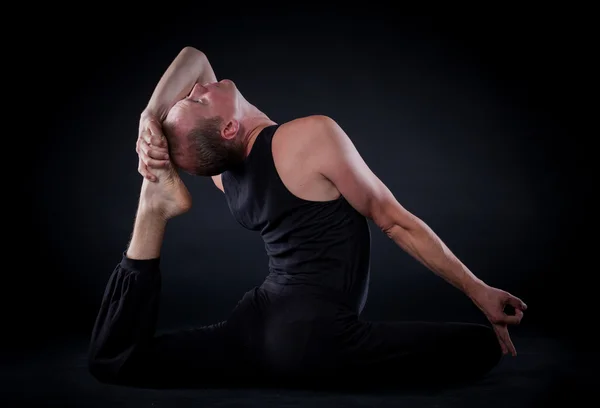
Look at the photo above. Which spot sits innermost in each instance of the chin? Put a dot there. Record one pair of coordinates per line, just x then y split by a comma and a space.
184, 165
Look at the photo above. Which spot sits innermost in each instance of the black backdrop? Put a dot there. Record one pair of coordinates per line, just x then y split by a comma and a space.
474, 123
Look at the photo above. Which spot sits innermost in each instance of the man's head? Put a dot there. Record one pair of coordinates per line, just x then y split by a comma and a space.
204, 130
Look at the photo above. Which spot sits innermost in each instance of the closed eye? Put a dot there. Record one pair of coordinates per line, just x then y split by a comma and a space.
200, 101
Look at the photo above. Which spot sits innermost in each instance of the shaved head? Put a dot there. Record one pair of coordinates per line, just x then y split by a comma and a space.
201, 150
204, 130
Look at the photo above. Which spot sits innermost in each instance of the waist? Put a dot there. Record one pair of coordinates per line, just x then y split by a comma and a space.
311, 290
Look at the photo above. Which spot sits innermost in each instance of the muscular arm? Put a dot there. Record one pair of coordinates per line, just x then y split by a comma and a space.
191, 66
337, 159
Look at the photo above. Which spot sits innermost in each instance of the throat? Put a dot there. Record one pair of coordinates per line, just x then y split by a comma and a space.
254, 133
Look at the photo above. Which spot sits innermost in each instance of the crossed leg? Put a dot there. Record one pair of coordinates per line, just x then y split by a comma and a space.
418, 353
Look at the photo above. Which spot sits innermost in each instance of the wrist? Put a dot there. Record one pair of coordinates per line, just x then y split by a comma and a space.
150, 114
473, 287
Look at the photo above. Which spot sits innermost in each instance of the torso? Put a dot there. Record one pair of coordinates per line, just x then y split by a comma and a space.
292, 144
316, 242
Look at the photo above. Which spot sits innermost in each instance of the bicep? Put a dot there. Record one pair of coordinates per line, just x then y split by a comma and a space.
341, 163
208, 74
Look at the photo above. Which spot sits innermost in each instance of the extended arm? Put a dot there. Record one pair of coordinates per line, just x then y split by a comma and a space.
343, 166
189, 67
336, 159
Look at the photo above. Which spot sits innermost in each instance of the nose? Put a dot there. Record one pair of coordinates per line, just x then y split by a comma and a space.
197, 91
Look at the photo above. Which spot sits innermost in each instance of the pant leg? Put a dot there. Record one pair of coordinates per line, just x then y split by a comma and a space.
125, 349
417, 352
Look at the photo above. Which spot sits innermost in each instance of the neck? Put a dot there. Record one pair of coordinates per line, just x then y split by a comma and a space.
252, 122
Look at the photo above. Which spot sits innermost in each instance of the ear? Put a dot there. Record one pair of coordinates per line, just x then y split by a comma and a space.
231, 129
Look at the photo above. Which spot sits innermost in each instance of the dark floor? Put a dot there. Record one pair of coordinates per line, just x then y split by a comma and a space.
545, 371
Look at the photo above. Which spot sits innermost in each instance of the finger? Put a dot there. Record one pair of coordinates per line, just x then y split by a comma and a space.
158, 154
156, 134
146, 136
510, 345
152, 163
515, 319
503, 332
143, 170
139, 142
154, 140
154, 128
153, 152
516, 302
500, 340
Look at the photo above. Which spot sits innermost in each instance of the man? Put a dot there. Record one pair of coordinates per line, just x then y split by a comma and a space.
306, 189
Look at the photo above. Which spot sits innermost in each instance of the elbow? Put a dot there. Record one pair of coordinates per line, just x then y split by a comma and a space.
100, 370
104, 370
385, 224
395, 232
106, 374
189, 50
392, 218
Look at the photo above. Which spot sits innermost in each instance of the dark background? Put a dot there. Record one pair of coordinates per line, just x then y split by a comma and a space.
476, 125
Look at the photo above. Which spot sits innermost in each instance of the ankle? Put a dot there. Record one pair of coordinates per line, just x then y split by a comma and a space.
150, 210
148, 233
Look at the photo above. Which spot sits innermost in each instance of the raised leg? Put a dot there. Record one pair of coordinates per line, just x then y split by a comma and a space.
124, 348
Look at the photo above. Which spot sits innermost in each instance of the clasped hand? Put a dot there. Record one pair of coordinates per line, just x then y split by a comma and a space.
151, 147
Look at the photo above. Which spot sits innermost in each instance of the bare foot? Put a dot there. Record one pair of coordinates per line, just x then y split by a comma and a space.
168, 196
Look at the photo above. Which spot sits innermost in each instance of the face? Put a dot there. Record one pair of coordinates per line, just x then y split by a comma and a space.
208, 101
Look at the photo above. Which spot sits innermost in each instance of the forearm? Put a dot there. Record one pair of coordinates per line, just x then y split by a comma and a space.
423, 244
189, 67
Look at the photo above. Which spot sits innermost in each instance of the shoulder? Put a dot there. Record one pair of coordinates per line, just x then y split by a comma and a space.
315, 141
312, 124
307, 131
304, 135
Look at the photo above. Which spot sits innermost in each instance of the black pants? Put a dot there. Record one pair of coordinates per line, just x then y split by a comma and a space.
288, 340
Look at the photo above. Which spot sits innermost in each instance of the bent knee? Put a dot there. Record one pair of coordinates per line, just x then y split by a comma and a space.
108, 371
483, 347
102, 372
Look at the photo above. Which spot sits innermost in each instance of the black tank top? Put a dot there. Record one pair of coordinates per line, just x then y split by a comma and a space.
313, 247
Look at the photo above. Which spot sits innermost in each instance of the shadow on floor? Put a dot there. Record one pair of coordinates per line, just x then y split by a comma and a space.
544, 372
